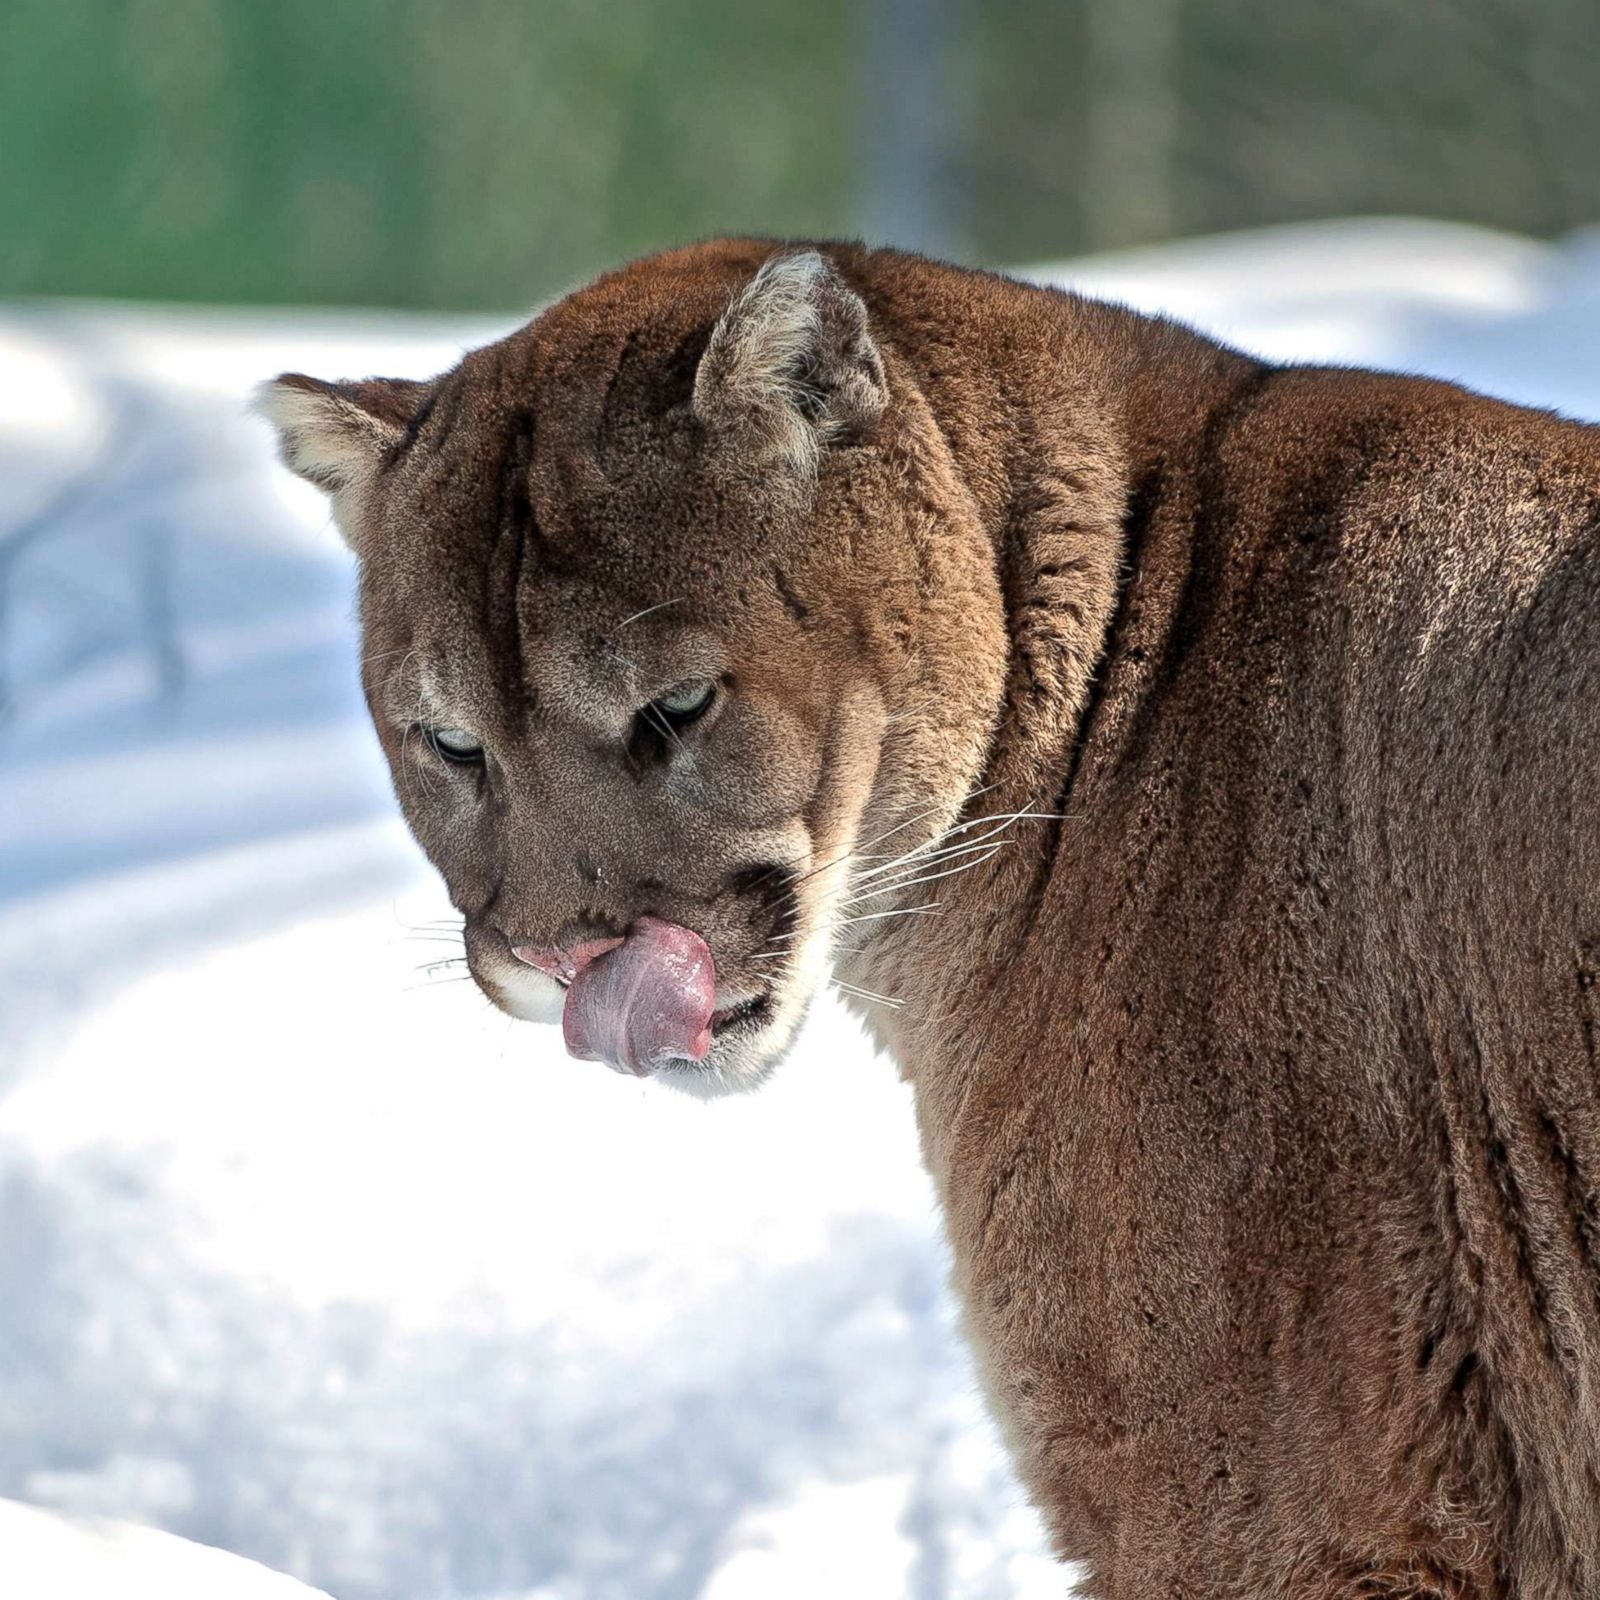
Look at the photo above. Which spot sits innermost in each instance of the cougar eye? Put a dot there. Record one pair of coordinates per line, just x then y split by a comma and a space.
454, 744
685, 701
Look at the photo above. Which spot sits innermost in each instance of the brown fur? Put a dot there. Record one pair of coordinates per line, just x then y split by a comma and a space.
1260, 1084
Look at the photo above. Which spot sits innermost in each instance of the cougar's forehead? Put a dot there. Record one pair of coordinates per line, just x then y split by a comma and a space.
558, 505
573, 463
587, 595
628, 584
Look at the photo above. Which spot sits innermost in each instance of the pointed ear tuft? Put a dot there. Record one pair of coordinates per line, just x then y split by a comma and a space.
791, 366
335, 435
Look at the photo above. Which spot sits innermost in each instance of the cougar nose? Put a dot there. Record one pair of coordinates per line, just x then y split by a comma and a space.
563, 964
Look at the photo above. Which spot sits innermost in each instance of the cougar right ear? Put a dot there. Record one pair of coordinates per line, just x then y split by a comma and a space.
792, 367
335, 435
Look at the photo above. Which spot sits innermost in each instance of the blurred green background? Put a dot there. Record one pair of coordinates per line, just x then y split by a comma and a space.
485, 153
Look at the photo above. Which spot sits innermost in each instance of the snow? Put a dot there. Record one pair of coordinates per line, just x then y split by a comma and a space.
53, 1557
307, 1254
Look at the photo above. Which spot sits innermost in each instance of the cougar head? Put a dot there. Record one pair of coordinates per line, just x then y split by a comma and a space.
675, 619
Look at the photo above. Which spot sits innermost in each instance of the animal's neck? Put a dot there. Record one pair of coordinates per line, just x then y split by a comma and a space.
1076, 446
1117, 429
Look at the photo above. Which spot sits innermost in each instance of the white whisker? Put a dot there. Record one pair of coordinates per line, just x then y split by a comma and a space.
870, 916
900, 827
651, 610
439, 966
899, 885
866, 994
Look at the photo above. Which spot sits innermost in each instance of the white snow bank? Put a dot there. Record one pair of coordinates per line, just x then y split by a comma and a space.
309, 1255
48, 1556
1511, 316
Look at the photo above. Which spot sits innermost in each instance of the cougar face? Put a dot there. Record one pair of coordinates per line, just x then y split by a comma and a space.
651, 647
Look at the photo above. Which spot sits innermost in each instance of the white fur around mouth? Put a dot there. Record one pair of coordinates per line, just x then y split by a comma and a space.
528, 994
742, 1014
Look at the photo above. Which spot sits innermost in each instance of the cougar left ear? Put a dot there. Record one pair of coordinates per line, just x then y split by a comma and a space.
335, 435
791, 365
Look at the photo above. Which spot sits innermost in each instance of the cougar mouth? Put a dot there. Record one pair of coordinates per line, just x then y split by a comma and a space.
648, 1001
756, 1006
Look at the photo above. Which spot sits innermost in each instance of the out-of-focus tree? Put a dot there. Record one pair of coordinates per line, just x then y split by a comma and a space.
489, 152
1130, 143
1257, 111
913, 93
477, 153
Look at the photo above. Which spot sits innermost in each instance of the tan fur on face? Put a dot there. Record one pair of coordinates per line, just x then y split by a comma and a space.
619, 498
1241, 721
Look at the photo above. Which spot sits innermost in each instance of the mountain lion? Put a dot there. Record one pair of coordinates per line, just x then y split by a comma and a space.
1188, 763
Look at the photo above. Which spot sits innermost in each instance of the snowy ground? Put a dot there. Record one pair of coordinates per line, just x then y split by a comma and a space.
52, 1555
308, 1256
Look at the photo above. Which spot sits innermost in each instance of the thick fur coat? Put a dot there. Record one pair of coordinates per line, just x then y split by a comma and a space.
1257, 1068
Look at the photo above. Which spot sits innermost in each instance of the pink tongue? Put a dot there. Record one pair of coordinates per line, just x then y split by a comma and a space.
645, 1003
